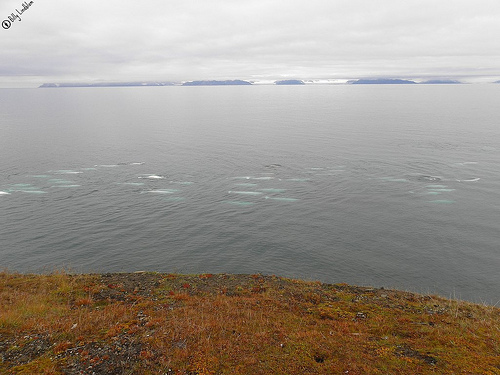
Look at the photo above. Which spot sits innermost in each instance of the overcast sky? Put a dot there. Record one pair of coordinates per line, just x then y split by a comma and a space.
178, 40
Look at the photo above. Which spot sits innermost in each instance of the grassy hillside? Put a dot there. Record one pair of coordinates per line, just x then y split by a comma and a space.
149, 323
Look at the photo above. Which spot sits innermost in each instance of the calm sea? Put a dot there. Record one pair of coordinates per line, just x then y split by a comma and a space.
388, 186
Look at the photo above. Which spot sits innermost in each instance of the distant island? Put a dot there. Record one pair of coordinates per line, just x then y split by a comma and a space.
382, 81
106, 84
290, 82
233, 82
440, 82
240, 82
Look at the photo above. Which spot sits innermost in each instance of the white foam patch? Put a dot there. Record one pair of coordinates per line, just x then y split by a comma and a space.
106, 165
65, 186
41, 176
442, 190
131, 183
33, 191
4, 193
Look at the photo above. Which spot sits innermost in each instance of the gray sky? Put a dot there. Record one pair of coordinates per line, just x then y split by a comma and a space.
176, 40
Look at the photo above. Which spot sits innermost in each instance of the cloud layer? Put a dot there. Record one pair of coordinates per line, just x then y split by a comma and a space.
259, 39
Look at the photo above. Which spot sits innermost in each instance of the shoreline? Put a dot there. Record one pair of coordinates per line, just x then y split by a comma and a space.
152, 323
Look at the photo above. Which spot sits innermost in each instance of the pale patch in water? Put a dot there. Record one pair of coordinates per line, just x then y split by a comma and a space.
153, 177
436, 186
443, 190
41, 176
4, 193
470, 180
163, 191
239, 203
272, 190
282, 199
67, 171
299, 179
65, 186
245, 184
59, 181
182, 182
429, 178
332, 173
245, 192
131, 183
442, 201
392, 179
23, 187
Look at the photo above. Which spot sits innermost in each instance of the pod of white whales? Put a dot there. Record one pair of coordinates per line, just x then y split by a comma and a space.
262, 187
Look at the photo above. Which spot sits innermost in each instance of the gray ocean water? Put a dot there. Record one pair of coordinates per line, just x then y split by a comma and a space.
388, 186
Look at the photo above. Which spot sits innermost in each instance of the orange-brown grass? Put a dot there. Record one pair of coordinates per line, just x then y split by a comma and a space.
150, 323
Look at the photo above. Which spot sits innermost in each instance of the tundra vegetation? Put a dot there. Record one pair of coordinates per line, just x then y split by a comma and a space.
152, 323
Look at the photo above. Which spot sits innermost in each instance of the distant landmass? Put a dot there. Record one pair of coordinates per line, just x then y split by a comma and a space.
216, 83
440, 82
234, 82
382, 81
106, 84
290, 82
